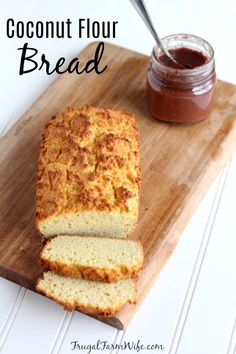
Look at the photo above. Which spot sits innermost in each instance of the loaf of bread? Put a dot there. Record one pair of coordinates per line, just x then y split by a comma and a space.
93, 258
92, 297
88, 174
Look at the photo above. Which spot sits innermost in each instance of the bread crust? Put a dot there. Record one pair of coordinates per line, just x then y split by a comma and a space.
90, 273
96, 311
89, 161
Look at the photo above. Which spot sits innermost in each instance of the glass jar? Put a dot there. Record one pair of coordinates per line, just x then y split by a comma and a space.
177, 94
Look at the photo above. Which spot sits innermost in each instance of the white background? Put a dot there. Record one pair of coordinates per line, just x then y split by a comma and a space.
191, 308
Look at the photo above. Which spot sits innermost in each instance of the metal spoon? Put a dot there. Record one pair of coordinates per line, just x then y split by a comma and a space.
142, 11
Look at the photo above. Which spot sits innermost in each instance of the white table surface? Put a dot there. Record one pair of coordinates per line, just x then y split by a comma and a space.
191, 308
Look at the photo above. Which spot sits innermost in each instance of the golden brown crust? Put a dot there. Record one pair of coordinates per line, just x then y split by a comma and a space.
90, 273
96, 311
89, 160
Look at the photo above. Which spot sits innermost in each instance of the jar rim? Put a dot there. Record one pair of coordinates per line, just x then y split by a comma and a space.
187, 71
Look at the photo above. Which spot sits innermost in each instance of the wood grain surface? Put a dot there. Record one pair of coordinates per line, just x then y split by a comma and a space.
179, 163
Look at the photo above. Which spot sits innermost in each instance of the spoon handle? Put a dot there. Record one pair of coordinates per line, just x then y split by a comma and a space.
141, 9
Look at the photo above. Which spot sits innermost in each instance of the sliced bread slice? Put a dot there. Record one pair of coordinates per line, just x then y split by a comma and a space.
92, 297
93, 258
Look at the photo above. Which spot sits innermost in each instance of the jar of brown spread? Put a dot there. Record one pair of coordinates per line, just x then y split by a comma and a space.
181, 93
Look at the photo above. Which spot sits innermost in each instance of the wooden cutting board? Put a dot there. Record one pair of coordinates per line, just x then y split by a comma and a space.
178, 165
